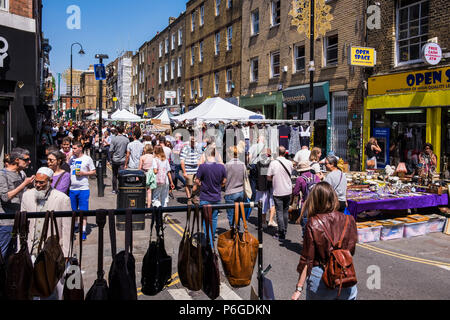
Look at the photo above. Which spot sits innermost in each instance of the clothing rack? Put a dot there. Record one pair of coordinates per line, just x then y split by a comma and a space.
257, 121
119, 212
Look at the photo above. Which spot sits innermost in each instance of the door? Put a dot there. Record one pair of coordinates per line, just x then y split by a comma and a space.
339, 123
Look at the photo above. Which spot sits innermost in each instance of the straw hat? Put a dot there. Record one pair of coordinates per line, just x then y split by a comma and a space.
304, 166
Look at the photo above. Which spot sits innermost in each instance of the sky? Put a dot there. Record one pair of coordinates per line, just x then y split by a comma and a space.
106, 26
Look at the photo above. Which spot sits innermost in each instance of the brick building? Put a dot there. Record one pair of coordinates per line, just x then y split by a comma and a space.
275, 76
408, 98
111, 85
89, 89
213, 50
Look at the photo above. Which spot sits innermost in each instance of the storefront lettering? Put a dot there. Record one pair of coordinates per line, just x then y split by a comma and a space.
427, 78
3, 50
362, 55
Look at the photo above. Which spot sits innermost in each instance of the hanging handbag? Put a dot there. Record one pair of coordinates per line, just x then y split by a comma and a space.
122, 274
74, 290
157, 265
19, 270
211, 272
150, 179
238, 252
247, 186
190, 262
50, 264
99, 290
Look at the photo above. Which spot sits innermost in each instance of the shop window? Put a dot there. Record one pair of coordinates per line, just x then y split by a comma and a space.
412, 29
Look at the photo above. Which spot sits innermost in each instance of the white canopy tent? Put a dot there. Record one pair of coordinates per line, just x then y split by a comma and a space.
125, 115
95, 116
165, 116
216, 109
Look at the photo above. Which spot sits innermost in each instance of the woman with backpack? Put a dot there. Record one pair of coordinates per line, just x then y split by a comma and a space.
161, 167
329, 234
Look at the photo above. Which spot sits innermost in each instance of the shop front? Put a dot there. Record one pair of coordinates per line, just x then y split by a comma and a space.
269, 104
404, 111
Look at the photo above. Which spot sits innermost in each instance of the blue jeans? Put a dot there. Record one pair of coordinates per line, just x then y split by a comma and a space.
317, 290
79, 199
214, 220
5, 239
177, 176
232, 198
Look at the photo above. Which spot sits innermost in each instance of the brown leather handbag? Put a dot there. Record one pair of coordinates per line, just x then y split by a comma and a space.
211, 272
19, 270
190, 260
50, 264
339, 271
238, 252
74, 288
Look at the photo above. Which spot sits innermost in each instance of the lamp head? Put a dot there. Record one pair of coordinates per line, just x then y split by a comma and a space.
82, 52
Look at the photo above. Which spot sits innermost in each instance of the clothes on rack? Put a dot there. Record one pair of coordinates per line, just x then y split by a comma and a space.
285, 135
294, 141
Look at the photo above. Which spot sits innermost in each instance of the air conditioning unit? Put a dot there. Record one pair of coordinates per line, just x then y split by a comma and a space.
285, 69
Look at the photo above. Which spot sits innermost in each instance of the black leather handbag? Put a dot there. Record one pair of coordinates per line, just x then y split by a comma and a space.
122, 273
99, 290
157, 264
211, 272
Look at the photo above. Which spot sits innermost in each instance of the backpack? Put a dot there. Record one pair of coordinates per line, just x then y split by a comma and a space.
339, 271
161, 176
310, 183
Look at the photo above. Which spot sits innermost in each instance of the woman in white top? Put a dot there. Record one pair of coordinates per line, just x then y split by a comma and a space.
314, 159
161, 167
145, 164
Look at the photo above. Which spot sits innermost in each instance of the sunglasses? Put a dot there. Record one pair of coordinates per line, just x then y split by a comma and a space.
25, 159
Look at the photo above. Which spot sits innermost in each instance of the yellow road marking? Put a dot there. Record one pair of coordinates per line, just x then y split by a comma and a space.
173, 281
176, 225
403, 257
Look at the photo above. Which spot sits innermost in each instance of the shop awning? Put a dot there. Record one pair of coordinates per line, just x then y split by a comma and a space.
300, 94
412, 100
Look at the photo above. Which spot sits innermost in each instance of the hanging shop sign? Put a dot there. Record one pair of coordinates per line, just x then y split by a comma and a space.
431, 53
4, 46
170, 94
410, 82
362, 57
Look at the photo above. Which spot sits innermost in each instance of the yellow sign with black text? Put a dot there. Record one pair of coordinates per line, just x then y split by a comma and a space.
410, 82
363, 57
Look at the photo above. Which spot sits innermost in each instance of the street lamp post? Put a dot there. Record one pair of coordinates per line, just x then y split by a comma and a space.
71, 62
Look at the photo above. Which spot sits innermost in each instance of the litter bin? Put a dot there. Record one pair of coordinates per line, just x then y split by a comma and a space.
132, 195
96, 157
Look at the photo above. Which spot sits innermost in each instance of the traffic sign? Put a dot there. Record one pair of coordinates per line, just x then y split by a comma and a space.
100, 72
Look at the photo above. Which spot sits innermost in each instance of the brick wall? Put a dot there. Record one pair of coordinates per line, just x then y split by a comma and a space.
22, 8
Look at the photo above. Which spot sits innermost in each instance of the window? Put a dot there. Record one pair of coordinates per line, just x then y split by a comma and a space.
192, 89
178, 95
166, 72
174, 41
202, 15
217, 7
275, 64
200, 87
254, 70
180, 65
192, 55
229, 38
172, 70
229, 80
193, 21
167, 45
229, 4
160, 74
200, 51
276, 13
331, 50
4, 5
412, 29
255, 22
216, 83
160, 49
217, 43
180, 37
299, 58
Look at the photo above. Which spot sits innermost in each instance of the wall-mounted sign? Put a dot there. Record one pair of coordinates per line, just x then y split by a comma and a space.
362, 57
170, 94
432, 53
4, 46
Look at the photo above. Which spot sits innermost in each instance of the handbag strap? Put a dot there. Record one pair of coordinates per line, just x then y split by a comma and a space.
112, 232
241, 204
160, 224
153, 223
44, 232
236, 215
339, 244
72, 231
59, 179
196, 218
80, 236
207, 216
101, 221
128, 232
54, 224
188, 218
289, 175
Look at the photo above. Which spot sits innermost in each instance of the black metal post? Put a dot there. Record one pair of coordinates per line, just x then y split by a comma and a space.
260, 253
312, 111
71, 60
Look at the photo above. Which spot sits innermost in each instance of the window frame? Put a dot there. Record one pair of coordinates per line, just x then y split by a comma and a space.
160, 74
272, 22
229, 38
172, 69
167, 45
161, 49
200, 87
166, 72
200, 52
174, 41
272, 66
326, 63
216, 83
6, 7
193, 21
202, 15
217, 8
252, 22
180, 66
180, 37
252, 70
229, 80
192, 55
296, 57
217, 44
192, 88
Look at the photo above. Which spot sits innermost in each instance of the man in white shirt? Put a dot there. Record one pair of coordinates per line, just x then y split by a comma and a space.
134, 151
302, 155
279, 173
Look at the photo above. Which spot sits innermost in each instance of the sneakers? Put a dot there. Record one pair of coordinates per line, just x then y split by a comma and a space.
280, 237
273, 224
84, 236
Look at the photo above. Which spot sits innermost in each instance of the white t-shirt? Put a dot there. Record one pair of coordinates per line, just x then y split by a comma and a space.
163, 167
281, 181
85, 164
167, 152
302, 155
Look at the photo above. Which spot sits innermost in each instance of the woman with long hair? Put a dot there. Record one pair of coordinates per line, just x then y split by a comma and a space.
372, 149
61, 178
314, 159
145, 164
161, 167
323, 220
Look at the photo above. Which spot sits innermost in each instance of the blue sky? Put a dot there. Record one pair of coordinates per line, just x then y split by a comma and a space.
107, 26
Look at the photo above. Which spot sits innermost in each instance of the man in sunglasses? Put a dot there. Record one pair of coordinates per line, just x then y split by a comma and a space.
13, 183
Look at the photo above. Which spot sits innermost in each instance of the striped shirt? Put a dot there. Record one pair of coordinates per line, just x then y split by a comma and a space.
191, 156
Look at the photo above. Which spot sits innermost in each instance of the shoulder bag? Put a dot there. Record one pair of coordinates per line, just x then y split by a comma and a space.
190, 259
247, 186
50, 264
19, 270
238, 252
211, 273
122, 274
157, 265
74, 290
99, 290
